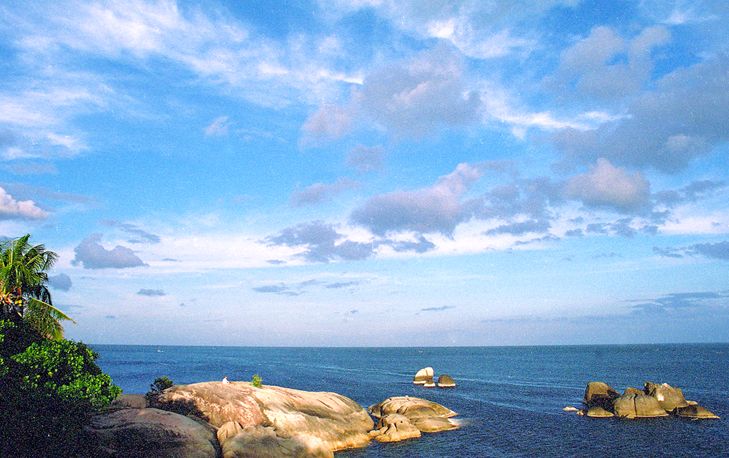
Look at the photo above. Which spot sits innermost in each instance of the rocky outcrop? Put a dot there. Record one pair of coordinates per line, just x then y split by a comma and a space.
394, 428
150, 432
129, 401
638, 406
631, 390
400, 416
668, 397
265, 442
304, 417
696, 412
424, 377
446, 381
599, 394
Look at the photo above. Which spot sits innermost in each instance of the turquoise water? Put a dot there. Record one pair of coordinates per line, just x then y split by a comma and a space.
510, 399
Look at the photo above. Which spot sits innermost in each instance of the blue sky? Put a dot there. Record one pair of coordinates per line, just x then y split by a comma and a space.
373, 172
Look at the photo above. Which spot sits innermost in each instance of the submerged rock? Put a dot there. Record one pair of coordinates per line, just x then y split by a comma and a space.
424, 376
446, 381
599, 394
638, 406
670, 398
150, 432
335, 420
696, 412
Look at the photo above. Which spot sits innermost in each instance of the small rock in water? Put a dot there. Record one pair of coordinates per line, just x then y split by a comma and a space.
446, 381
696, 412
571, 409
424, 376
599, 412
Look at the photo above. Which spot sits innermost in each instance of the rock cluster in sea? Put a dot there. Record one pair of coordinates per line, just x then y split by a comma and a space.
425, 377
237, 419
653, 401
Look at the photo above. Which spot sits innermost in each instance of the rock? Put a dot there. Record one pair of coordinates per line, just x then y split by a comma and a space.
227, 431
631, 390
149, 432
336, 421
264, 442
395, 428
599, 412
570, 409
638, 406
692, 403
424, 376
696, 412
434, 424
429, 384
446, 381
410, 407
599, 394
581, 413
668, 397
129, 401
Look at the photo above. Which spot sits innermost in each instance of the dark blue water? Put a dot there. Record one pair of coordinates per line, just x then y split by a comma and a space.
509, 398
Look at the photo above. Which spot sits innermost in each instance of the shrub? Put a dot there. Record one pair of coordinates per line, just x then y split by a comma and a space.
48, 392
157, 387
257, 381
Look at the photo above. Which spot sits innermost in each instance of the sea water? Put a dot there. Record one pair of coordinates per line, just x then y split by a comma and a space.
509, 399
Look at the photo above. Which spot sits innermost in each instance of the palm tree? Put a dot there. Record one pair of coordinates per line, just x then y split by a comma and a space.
23, 291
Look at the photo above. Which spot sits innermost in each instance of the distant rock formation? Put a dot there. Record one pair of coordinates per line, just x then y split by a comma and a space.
404, 417
424, 376
655, 400
446, 381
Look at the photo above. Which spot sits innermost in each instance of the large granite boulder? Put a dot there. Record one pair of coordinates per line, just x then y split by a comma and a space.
149, 432
410, 407
228, 430
394, 428
638, 406
599, 394
335, 420
425, 416
424, 377
670, 398
631, 390
265, 442
695, 412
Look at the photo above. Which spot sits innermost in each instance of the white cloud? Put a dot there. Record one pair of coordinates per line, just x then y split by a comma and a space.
608, 186
218, 128
320, 192
10, 208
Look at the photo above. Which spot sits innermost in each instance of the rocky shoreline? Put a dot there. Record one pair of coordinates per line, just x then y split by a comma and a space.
237, 419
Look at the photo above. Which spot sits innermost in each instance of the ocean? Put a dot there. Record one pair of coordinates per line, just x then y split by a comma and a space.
509, 399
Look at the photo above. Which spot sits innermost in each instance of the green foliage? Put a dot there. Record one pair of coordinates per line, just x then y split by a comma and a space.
157, 387
49, 390
23, 291
256, 380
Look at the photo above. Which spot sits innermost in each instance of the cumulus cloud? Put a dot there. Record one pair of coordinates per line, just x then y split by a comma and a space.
321, 242
329, 122
60, 282
608, 186
605, 65
692, 192
92, 255
11, 208
665, 128
151, 292
438, 208
366, 158
320, 192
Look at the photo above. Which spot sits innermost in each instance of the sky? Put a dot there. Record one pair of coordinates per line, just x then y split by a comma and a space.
372, 172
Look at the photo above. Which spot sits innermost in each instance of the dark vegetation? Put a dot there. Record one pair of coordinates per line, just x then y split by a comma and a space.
49, 387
